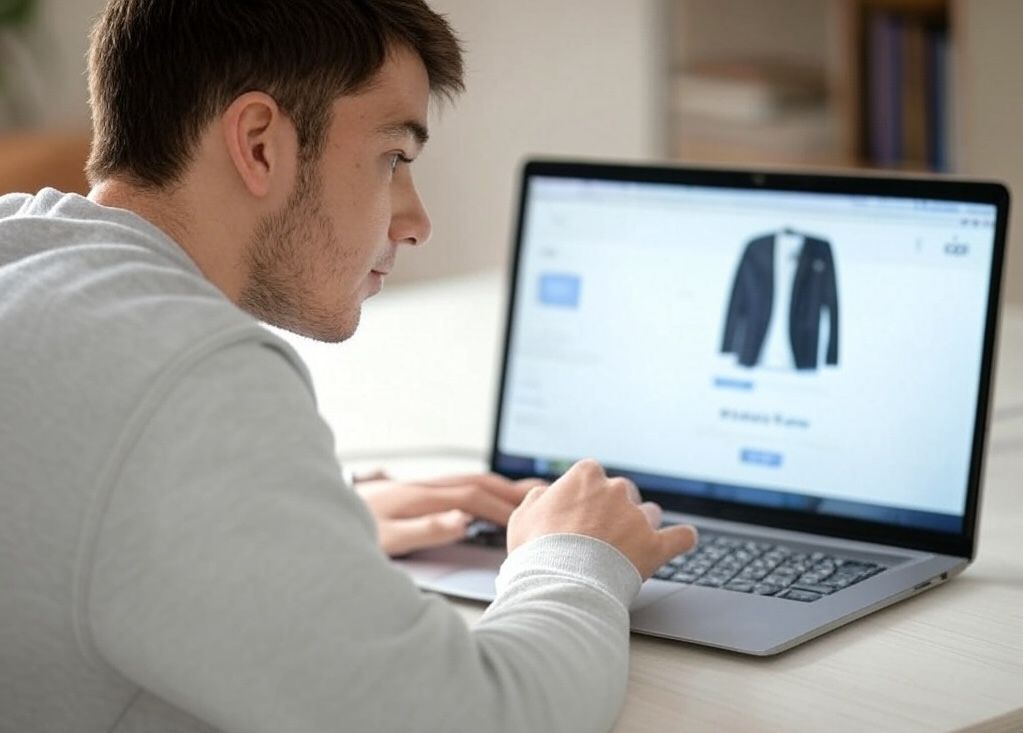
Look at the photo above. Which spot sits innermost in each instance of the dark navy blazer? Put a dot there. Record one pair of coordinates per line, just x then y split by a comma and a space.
749, 308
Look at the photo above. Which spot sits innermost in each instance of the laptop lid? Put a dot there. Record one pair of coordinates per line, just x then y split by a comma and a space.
802, 351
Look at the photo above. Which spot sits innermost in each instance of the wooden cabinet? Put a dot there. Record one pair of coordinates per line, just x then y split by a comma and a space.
32, 160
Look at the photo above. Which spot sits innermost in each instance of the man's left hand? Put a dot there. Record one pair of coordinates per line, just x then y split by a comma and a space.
416, 515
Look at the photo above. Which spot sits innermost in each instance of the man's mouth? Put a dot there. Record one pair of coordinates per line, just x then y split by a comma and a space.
384, 268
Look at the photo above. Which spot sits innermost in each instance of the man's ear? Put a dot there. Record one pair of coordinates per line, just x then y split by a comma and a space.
261, 143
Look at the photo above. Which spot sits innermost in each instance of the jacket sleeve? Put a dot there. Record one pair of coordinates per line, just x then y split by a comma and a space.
736, 315
830, 300
235, 577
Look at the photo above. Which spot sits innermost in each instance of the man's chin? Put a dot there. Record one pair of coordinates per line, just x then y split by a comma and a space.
331, 332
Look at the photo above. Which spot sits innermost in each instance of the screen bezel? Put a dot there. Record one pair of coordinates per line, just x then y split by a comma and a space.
961, 544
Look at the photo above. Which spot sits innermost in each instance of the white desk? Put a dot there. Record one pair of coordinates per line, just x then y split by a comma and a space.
421, 372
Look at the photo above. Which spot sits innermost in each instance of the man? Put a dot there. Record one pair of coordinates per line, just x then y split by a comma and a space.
179, 551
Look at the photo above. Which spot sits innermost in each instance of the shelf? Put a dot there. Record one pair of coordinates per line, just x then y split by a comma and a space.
858, 83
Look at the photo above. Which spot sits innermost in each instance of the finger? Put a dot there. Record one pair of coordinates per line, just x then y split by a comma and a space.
589, 467
677, 539
525, 485
377, 474
631, 490
480, 503
652, 512
511, 491
401, 536
416, 500
533, 494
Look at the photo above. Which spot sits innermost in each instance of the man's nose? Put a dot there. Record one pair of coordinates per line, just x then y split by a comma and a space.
410, 224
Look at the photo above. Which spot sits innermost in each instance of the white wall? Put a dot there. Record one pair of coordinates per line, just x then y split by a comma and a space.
990, 95
59, 43
572, 77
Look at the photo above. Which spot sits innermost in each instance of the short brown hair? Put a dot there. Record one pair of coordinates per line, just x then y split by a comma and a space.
161, 70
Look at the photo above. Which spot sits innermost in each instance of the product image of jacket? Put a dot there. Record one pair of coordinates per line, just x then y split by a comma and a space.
749, 311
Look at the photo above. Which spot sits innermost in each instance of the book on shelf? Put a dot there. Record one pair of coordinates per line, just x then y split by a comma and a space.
907, 93
940, 128
884, 90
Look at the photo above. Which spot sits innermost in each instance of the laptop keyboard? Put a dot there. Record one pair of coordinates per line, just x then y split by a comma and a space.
484, 533
763, 568
741, 564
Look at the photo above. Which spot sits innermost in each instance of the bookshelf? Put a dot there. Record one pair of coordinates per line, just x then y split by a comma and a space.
847, 83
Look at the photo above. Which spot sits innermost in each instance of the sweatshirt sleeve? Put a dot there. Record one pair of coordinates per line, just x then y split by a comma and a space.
234, 575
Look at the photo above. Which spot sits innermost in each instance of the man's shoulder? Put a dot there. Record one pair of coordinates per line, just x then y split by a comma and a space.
99, 297
12, 203
69, 261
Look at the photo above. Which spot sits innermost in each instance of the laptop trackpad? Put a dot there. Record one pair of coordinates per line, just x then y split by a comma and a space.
475, 584
479, 585
652, 591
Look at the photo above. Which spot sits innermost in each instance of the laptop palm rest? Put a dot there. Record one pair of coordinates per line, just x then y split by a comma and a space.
466, 571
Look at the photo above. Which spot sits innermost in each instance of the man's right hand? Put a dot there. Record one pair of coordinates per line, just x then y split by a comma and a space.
585, 501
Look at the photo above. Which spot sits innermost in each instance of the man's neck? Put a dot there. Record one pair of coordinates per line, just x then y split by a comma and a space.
198, 236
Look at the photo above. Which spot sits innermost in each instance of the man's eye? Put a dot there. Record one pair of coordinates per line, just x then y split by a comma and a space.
398, 158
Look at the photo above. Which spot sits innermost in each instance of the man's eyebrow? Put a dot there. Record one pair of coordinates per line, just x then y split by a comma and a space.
404, 128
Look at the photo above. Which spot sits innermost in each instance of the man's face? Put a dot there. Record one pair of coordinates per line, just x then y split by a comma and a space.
313, 263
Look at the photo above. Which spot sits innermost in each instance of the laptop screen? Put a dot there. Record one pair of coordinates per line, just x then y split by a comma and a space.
814, 352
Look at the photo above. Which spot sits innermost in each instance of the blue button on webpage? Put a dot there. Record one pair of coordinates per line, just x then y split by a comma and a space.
746, 385
560, 290
761, 458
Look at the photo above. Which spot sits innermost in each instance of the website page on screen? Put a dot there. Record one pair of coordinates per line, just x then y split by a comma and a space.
814, 351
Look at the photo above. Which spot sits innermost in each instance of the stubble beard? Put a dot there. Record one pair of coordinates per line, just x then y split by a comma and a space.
284, 274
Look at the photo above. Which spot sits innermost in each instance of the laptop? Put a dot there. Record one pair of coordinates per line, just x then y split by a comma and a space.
799, 364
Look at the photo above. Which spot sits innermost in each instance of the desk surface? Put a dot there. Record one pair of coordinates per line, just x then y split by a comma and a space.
420, 377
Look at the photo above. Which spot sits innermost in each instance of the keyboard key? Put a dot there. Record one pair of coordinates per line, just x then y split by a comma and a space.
792, 594
684, 577
810, 578
752, 573
781, 581
487, 534
711, 581
743, 586
821, 589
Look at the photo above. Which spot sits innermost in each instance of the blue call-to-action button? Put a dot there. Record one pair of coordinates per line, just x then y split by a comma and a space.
761, 457
745, 385
560, 290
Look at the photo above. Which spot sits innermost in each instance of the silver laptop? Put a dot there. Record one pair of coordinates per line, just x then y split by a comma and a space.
799, 365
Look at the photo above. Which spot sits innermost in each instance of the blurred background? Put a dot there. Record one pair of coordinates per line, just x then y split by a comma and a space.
905, 85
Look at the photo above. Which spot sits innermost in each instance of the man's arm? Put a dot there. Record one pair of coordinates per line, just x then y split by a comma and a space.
237, 578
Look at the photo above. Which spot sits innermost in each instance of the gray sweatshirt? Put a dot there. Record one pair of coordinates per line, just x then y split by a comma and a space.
179, 551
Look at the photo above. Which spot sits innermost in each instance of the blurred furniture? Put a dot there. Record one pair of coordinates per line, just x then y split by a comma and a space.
30, 161
865, 83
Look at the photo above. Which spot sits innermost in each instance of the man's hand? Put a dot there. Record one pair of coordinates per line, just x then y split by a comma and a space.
414, 516
585, 501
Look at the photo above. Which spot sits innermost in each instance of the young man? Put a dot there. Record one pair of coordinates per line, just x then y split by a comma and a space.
179, 550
